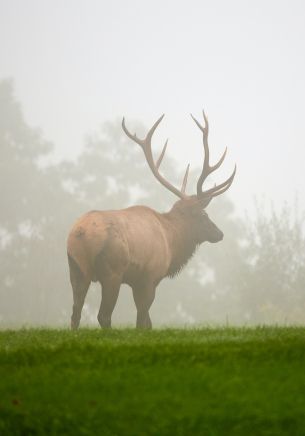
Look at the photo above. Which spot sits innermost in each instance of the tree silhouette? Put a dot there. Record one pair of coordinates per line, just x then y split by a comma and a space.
274, 267
32, 217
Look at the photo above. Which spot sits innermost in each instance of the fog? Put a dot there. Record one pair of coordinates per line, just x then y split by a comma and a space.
77, 68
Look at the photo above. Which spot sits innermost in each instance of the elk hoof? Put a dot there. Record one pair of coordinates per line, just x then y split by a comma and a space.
74, 325
105, 323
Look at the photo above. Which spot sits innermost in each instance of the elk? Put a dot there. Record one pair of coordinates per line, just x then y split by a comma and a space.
139, 246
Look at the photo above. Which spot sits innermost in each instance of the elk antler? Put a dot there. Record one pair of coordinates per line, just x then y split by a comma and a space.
207, 169
146, 146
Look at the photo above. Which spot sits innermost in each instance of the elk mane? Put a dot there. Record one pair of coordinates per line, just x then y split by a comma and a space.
183, 242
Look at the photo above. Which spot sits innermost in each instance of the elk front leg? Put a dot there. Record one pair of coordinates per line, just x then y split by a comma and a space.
143, 298
110, 293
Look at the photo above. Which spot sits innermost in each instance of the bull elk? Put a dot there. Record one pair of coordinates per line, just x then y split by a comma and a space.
139, 246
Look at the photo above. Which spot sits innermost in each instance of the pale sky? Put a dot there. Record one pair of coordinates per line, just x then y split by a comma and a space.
79, 63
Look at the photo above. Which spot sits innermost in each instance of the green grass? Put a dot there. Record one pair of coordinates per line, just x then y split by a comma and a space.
225, 381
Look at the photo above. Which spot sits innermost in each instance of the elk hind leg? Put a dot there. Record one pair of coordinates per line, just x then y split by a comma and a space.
80, 287
110, 292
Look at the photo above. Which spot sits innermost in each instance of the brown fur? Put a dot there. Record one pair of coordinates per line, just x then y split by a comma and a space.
137, 246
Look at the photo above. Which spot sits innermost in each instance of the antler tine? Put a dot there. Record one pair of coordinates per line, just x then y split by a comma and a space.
130, 135
204, 129
206, 165
152, 130
184, 183
206, 121
217, 165
146, 146
142, 142
219, 189
162, 155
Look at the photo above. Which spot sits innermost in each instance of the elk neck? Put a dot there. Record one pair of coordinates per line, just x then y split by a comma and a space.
181, 239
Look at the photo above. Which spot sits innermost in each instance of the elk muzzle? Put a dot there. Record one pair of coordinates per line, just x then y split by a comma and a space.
213, 234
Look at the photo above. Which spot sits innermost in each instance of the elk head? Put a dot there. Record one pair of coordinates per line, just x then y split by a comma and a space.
189, 208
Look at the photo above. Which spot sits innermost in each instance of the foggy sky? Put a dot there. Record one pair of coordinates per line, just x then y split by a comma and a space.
79, 63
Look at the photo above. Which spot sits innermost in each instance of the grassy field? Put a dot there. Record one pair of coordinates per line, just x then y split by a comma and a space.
225, 381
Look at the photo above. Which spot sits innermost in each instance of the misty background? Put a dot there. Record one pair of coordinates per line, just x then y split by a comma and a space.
70, 70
